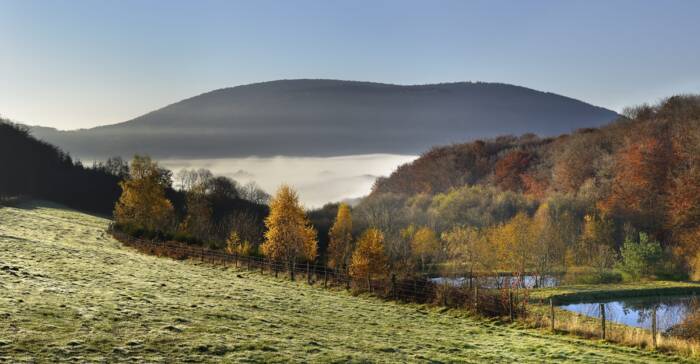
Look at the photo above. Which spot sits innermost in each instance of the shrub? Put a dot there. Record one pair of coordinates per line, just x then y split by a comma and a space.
593, 277
640, 259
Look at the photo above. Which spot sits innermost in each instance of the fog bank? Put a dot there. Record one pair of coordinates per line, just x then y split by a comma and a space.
317, 179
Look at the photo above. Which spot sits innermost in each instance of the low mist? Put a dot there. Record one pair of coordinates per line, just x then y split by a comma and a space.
317, 179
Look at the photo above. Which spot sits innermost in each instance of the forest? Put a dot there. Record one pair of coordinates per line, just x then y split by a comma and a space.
38, 170
474, 225
601, 205
614, 203
617, 200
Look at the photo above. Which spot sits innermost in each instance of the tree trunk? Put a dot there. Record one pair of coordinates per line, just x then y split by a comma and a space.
471, 274
291, 269
308, 273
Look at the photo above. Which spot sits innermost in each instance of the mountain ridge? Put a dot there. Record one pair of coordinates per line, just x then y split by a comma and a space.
322, 117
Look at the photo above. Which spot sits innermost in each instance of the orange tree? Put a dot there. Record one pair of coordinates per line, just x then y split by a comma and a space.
340, 245
289, 235
369, 259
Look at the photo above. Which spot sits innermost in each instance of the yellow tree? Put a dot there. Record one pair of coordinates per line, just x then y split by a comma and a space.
597, 230
289, 235
425, 244
340, 245
234, 245
468, 246
142, 203
516, 243
369, 259
551, 233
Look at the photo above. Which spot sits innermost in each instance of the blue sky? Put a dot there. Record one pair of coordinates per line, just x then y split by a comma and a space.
72, 64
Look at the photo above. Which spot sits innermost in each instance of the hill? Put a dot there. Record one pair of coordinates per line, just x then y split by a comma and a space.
638, 174
330, 117
69, 292
35, 168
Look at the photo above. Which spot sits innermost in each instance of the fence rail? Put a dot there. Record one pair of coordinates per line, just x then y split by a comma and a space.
508, 302
415, 289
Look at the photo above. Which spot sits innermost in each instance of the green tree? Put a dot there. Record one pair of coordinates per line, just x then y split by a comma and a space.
640, 259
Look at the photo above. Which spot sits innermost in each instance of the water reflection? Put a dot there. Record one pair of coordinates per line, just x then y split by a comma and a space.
637, 311
529, 281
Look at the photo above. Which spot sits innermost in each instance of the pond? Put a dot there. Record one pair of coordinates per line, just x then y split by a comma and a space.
637, 311
529, 281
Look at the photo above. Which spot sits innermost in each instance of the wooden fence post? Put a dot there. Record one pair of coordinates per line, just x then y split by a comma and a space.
510, 305
602, 321
653, 327
393, 285
476, 297
308, 273
325, 277
551, 313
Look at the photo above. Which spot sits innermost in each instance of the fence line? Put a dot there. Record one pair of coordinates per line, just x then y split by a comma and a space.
507, 302
417, 290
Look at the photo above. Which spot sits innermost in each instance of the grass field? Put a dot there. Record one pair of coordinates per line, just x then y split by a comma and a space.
70, 292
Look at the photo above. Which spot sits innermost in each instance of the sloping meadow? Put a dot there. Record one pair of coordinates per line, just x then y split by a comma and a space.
68, 291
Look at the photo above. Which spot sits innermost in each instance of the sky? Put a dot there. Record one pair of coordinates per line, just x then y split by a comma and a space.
78, 64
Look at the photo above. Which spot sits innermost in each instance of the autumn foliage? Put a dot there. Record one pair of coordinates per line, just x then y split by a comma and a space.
289, 236
551, 203
143, 203
369, 260
340, 244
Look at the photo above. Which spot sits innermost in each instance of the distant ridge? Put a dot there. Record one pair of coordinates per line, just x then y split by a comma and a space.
309, 117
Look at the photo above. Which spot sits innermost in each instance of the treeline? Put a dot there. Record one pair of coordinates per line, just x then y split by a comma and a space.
34, 168
204, 209
621, 199
599, 205
287, 238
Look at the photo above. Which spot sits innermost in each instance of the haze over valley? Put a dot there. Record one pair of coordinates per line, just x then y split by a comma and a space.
263, 128
319, 180
313, 181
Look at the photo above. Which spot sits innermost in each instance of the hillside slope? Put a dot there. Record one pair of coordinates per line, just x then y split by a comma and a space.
331, 117
69, 291
31, 167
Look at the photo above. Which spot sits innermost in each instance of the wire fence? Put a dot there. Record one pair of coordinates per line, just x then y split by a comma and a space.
647, 326
509, 300
418, 290
478, 295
